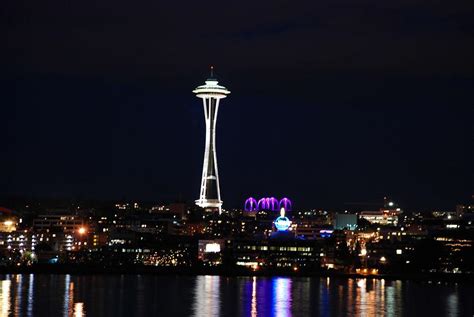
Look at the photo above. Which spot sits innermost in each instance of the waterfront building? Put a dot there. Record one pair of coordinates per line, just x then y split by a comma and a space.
17, 241
63, 222
457, 250
276, 253
29, 241
210, 251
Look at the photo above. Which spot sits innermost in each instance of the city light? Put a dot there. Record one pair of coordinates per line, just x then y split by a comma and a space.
343, 150
326, 233
212, 248
267, 203
361, 283
282, 223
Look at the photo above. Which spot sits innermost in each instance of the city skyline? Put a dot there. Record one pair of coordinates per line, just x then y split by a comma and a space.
336, 180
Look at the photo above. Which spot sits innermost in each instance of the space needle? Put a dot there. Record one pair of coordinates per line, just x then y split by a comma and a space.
211, 93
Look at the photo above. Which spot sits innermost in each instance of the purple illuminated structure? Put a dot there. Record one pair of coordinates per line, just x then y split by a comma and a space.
267, 203
286, 203
262, 204
273, 204
250, 204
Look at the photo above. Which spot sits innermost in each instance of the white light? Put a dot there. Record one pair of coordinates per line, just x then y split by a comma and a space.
209, 92
79, 310
212, 248
399, 251
361, 283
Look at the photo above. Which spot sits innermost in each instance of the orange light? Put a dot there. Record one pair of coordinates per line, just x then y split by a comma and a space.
82, 230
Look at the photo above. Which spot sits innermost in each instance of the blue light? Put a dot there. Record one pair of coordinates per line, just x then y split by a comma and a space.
326, 233
282, 223
282, 297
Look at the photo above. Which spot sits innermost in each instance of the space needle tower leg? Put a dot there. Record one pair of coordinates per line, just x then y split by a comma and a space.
211, 93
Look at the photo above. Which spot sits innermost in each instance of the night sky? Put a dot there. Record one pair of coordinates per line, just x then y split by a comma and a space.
333, 102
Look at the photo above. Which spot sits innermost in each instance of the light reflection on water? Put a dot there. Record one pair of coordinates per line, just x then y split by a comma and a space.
150, 295
5, 297
30, 298
253, 311
206, 296
452, 304
282, 299
79, 310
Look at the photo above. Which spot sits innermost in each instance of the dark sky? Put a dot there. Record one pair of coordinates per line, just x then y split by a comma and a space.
332, 102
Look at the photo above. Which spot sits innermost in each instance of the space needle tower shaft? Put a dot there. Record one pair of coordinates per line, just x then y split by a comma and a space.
211, 93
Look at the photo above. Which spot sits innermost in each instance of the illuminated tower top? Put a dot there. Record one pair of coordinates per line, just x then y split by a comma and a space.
211, 88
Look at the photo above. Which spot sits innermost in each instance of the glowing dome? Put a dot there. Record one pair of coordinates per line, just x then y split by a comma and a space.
286, 203
250, 204
268, 204
282, 223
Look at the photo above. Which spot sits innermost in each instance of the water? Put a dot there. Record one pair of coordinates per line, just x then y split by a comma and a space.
150, 295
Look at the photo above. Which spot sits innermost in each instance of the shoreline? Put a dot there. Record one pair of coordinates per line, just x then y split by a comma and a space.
228, 272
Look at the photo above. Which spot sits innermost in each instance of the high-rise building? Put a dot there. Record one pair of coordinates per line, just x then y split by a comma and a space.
211, 93
345, 221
